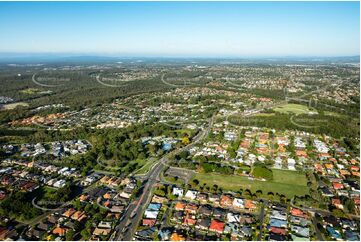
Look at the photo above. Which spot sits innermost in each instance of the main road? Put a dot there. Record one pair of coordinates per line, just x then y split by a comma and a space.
133, 214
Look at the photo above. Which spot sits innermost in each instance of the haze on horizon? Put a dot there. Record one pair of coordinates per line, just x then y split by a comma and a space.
202, 29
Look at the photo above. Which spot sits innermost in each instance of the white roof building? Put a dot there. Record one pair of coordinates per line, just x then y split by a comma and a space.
299, 143
278, 163
229, 135
191, 194
238, 203
151, 214
59, 184
320, 146
233, 218
278, 215
291, 164
177, 191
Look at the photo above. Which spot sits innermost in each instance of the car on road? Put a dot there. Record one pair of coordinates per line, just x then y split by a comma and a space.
128, 223
133, 214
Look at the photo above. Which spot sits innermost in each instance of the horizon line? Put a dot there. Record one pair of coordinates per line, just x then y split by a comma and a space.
90, 54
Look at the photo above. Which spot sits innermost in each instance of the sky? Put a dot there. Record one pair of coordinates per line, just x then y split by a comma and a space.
196, 29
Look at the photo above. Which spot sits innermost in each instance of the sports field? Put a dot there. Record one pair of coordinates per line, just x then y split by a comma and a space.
293, 108
288, 183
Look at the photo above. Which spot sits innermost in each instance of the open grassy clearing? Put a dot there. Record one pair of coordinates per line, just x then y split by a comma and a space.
109, 165
30, 91
49, 193
288, 183
263, 114
146, 167
293, 108
173, 180
329, 113
15, 105
112, 166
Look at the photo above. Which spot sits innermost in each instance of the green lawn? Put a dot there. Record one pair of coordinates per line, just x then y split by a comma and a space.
171, 179
48, 192
11, 106
264, 114
145, 168
329, 113
292, 108
30, 91
288, 183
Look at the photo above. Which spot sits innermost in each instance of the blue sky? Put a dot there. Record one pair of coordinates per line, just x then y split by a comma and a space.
217, 29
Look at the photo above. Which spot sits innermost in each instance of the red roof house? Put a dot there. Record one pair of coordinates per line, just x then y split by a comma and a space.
337, 185
188, 220
355, 168
337, 203
149, 222
216, 226
226, 201
297, 212
276, 230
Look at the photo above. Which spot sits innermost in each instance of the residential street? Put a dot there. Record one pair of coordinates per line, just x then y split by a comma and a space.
261, 219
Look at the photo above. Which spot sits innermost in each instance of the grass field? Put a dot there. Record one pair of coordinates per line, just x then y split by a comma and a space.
293, 108
30, 91
48, 193
14, 105
108, 165
288, 183
332, 113
146, 167
264, 114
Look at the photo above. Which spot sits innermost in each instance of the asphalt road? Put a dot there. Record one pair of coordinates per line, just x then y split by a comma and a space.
134, 213
261, 219
318, 233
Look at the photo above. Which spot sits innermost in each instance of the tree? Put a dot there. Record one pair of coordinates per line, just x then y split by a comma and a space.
85, 234
195, 182
232, 153
88, 208
69, 235
247, 193
350, 205
50, 237
215, 188
19, 205
160, 191
182, 155
77, 204
185, 140
259, 193
282, 198
261, 171
338, 213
